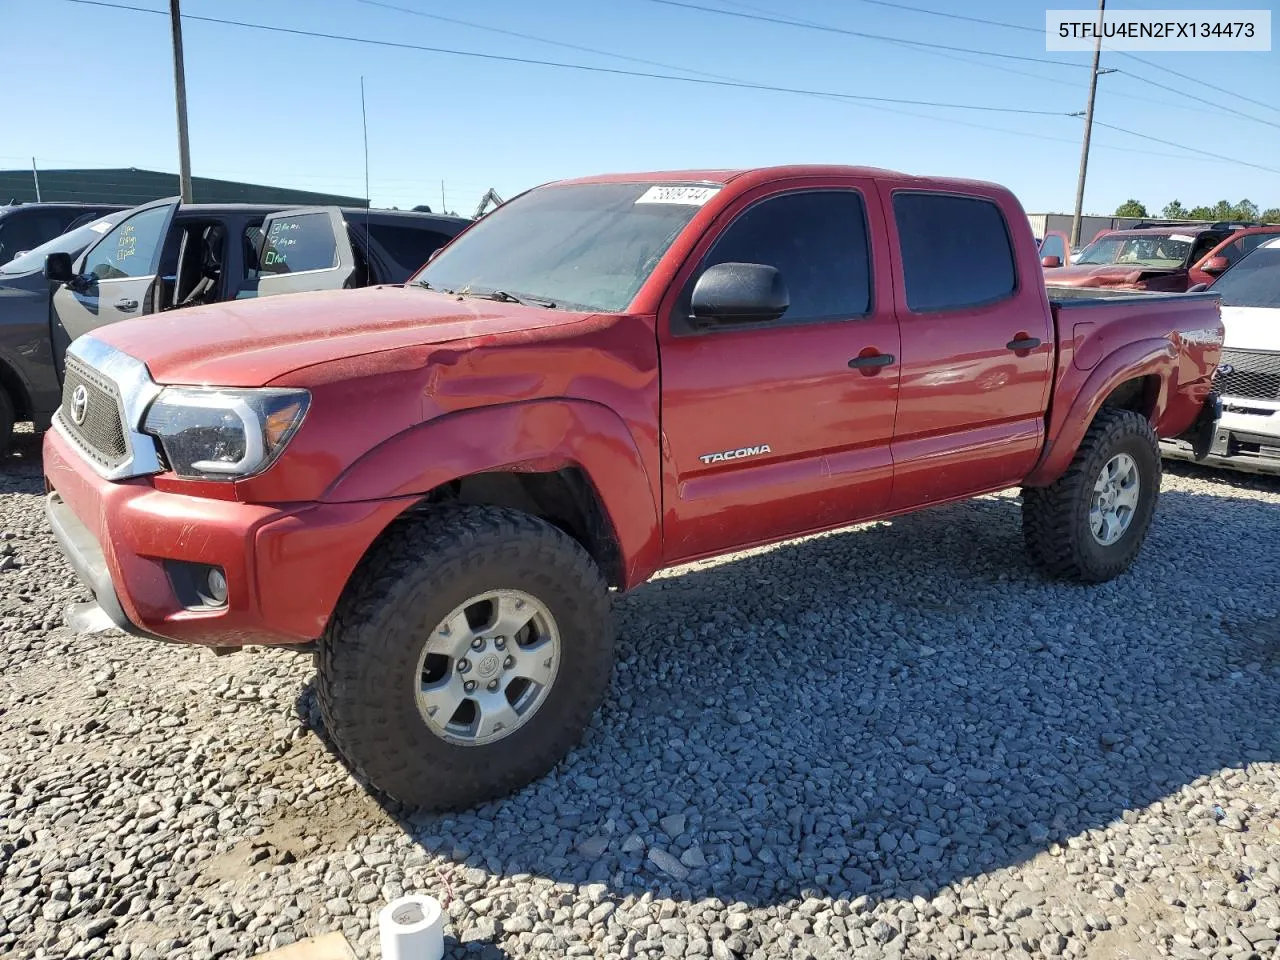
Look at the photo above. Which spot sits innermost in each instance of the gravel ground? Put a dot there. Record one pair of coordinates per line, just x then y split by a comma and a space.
896, 742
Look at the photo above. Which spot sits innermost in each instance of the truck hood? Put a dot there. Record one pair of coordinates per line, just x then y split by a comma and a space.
248, 343
1252, 328
1102, 275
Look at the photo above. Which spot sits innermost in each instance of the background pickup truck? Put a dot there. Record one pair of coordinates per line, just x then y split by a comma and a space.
167, 256
601, 378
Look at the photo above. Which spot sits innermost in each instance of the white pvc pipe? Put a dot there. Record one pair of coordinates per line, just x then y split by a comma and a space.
412, 928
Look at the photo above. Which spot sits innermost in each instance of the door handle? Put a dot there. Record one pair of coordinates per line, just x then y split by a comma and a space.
1028, 343
126, 304
874, 360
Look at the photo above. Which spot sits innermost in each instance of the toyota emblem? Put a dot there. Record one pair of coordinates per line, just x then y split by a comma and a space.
79, 404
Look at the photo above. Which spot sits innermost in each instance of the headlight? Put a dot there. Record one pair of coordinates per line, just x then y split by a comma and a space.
221, 433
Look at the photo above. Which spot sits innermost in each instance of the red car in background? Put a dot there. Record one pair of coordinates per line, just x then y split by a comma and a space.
1225, 254
1159, 258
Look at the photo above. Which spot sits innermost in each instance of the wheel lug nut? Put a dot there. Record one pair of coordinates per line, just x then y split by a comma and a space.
464, 666
477, 643
508, 663
469, 686
493, 684
500, 643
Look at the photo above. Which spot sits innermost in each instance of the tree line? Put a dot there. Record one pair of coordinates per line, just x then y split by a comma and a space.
1222, 210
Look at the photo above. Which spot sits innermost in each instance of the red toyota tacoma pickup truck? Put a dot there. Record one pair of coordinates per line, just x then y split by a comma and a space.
435, 485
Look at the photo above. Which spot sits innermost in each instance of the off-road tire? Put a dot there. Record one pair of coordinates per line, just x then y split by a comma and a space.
6, 421
423, 567
1055, 519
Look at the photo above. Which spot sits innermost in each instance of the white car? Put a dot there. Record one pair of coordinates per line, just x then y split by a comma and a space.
1248, 435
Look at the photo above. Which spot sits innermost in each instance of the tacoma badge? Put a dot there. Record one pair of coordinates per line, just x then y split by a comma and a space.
738, 454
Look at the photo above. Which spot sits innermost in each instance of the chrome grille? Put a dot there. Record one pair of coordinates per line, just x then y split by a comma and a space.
1255, 374
100, 433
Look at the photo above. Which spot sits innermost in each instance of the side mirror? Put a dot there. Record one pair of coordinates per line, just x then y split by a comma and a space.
1051, 261
57, 267
1197, 287
740, 293
1215, 265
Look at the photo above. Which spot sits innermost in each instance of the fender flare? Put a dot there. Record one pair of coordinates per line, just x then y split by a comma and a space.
535, 436
1152, 357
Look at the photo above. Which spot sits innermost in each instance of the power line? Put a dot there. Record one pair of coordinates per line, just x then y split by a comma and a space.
614, 71
953, 16
1218, 107
1155, 66
965, 59
1180, 146
826, 28
873, 102
906, 113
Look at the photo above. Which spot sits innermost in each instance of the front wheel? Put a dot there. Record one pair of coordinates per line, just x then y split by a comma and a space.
466, 657
1091, 522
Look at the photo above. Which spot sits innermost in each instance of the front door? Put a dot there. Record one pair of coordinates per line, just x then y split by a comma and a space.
116, 276
778, 428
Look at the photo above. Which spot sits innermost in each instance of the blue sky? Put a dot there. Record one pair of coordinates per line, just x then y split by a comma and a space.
285, 110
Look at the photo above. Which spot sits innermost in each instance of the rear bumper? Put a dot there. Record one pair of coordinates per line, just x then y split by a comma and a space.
285, 567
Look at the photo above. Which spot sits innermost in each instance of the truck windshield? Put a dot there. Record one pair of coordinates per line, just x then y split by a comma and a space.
1149, 250
73, 243
576, 246
1253, 282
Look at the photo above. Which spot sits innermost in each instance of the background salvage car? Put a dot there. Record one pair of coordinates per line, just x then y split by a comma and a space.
165, 256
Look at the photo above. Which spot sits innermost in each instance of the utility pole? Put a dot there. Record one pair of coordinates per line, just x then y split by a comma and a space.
443, 208
180, 91
35, 175
1088, 128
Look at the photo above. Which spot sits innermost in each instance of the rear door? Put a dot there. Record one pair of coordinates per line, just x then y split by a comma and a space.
117, 274
977, 346
305, 249
771, 429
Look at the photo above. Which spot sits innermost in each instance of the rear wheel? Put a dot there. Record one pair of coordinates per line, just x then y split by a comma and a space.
1090, 524
466, 657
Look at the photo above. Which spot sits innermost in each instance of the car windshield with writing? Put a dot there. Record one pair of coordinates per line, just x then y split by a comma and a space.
1254, 281
586, 246
1167, 250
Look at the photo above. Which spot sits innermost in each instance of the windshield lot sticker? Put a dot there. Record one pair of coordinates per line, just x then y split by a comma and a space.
1181, 236
689, 196
102, 226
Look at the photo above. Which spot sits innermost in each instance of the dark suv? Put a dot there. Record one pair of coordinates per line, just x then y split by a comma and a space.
26, 226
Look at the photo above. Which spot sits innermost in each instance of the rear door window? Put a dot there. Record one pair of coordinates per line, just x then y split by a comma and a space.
956, 251
296, 243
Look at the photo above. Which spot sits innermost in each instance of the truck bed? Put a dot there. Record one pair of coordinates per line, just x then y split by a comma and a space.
1092, 296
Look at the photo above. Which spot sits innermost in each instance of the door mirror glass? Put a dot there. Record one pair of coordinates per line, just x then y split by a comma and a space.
57, 268
1050, 262
1216, 265
740, 293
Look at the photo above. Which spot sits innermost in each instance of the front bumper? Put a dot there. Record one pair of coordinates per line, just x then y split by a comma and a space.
285, 566
1240, 441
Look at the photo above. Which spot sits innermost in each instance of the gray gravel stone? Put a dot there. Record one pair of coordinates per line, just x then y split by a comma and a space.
840, 747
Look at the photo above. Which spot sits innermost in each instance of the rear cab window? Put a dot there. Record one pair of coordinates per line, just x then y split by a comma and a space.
956, 251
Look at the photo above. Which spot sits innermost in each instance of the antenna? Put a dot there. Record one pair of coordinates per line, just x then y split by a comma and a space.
364, 123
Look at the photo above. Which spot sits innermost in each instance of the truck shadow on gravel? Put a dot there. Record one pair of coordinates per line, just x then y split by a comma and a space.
889, 710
